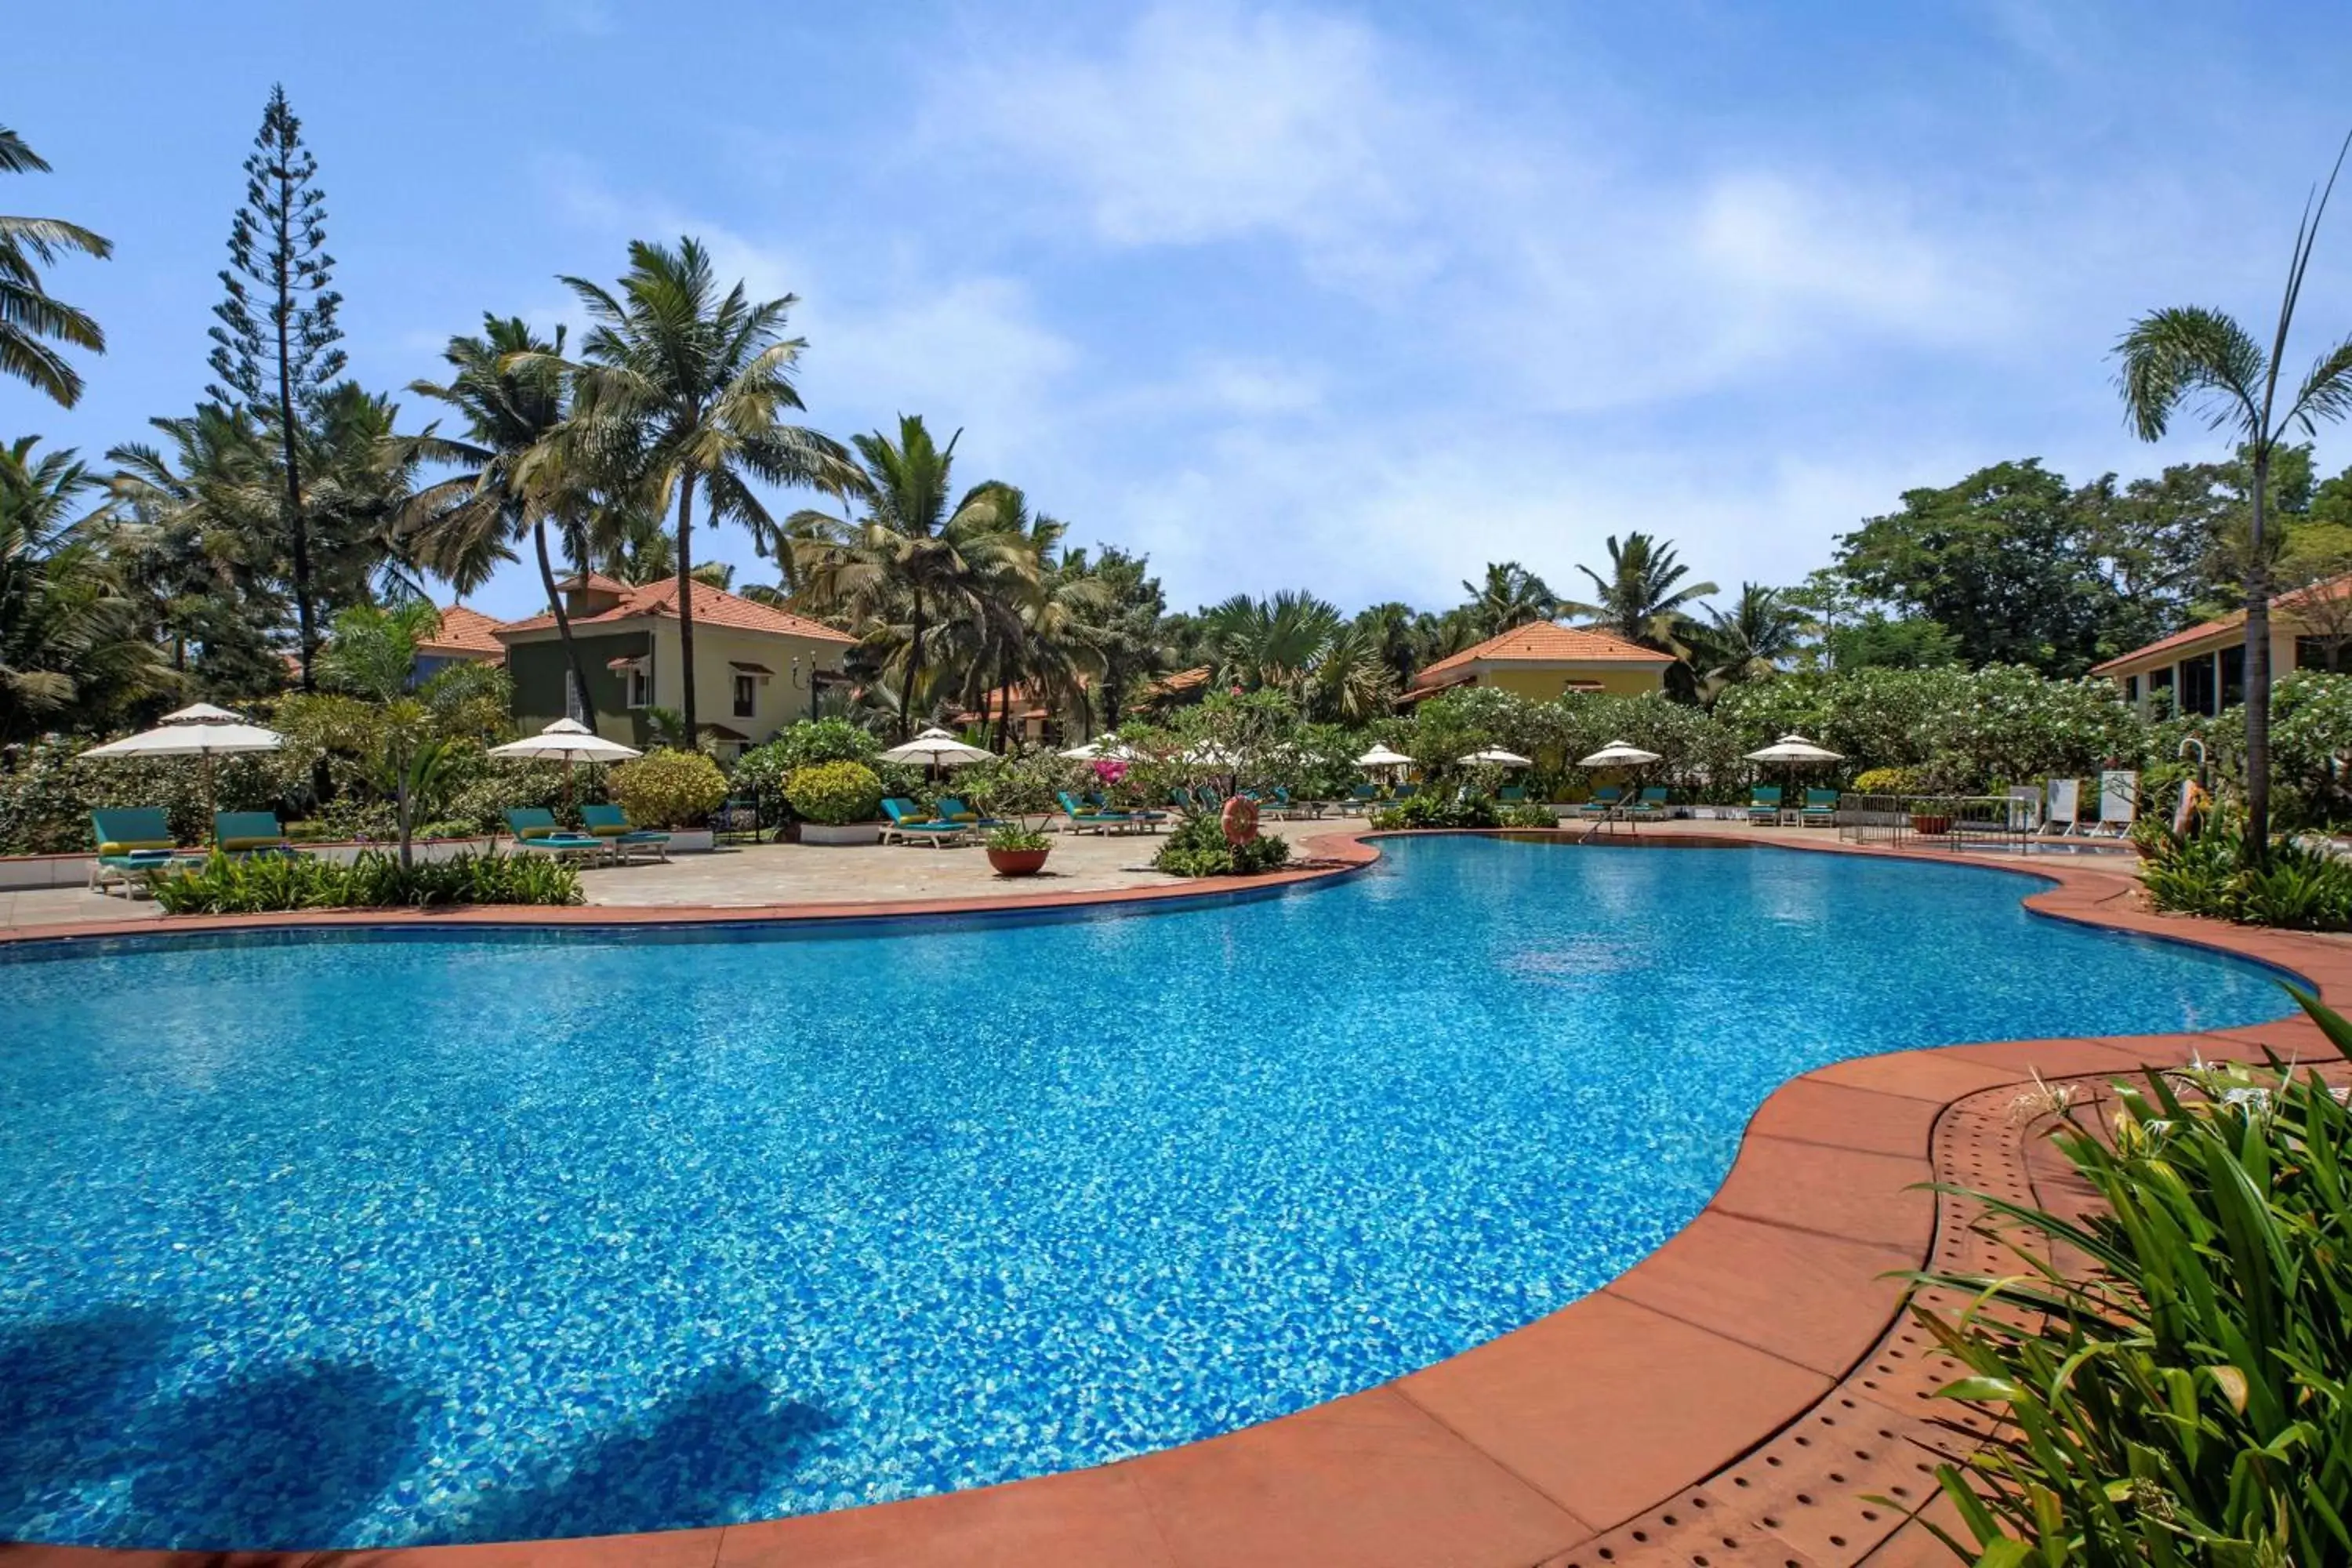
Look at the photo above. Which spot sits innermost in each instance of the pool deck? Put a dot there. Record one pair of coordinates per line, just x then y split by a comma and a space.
1731, 1400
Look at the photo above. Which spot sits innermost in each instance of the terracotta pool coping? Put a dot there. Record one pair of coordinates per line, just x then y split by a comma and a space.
1735, 1394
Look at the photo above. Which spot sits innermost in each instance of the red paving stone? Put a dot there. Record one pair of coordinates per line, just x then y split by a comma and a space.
1729, 1400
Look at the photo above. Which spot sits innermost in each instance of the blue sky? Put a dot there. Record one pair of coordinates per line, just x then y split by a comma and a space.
1354, 298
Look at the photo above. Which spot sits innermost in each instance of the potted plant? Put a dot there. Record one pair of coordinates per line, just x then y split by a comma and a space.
837, 803
672, 791
1017, 851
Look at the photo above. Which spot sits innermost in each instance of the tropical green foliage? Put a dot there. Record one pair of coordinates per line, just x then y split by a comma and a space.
1517, 814
32, 319
2182, 1399
260, 884
669, 789
2211, 874
1441, 808
1015, 838
1197, 848
831, 794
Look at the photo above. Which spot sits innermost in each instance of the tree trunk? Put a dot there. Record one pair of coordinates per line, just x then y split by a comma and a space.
563, 626
402, 805
2258, 671
685, 601
914, 664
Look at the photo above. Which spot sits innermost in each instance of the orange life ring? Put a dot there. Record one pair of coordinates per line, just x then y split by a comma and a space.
1240, 820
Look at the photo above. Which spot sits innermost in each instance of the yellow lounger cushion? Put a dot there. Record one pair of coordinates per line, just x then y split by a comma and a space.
233, 845
125, 847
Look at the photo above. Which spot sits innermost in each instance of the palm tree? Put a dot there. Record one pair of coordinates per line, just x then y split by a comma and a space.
1510, 596
688, 388
1752, 639
1643, 597
519, 470
1300, 644
28, 312
2190, 354
911, 567
69, 639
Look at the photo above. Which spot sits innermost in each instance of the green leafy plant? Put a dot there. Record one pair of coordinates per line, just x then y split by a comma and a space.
833, 792
1888, 781
2209, 874
1521, 815
1448, 810
1198, 848
1013, 837
2183, 1399
269, 883
669, 789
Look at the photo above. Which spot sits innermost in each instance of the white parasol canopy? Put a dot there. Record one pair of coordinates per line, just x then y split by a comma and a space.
1619, 755
936, 746
567, 741
1381, 757
1106, 744
1794, 749
1494, 756
200, 730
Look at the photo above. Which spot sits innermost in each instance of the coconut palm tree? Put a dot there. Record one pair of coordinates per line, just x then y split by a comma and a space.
688, 388
1510, 596
1300, 644
907, 571
1643, 597
2194, 355
1753, 638
518, 472
69, 639
28, 313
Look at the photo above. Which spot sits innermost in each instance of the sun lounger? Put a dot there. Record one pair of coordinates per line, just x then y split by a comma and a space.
1085, 818
1361, 799
1151, 819
1404, 792
1764, 804
1512, 795
1820, 808
135, 845
1652, 804
909, 824
1605, 799
952, 809
535, 828
610, 824
245, 833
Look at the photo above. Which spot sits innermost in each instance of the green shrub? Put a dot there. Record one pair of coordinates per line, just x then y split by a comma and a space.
1198, 848
2185, 1400
669, 789
832, 793
1013, 837
1438, 811
2207, 874
1888, 781
269, 883
1519, 816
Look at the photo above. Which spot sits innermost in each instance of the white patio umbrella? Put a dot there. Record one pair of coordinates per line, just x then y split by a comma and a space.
198, 731
567, 741
1104, 745
936, 746
1619, 755
1796, 752
1381, 757
1496, 757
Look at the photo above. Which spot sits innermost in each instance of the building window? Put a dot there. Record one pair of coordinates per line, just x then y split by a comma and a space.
2233, 676
2321, 652
2197, 685
641, 686
747, 696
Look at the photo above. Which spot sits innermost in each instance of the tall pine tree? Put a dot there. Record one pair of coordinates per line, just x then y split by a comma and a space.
274, 349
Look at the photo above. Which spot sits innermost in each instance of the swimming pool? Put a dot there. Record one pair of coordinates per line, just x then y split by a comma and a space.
348, 1238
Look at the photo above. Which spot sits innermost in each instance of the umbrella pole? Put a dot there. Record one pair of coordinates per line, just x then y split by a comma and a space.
206, 758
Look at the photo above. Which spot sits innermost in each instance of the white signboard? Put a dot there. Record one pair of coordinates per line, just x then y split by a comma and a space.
2119, 796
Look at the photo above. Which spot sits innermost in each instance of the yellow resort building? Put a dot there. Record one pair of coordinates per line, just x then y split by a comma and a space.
2202, 668
1544, 660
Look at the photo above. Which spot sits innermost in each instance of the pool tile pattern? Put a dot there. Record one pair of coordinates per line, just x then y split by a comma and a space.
1734, 1399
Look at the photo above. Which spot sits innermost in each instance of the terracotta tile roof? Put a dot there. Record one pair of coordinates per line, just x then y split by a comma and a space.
713, 608
464, 630
2189, 638
1542, 642
591, 582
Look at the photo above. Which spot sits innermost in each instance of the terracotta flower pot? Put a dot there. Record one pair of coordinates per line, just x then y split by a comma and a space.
1930, 826
1019, 862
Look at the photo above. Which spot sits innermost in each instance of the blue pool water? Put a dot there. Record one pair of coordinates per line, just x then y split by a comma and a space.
342, 1239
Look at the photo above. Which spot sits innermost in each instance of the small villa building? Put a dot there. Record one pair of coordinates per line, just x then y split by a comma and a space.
2202, 669
757, 668
1544, 660
464, 637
